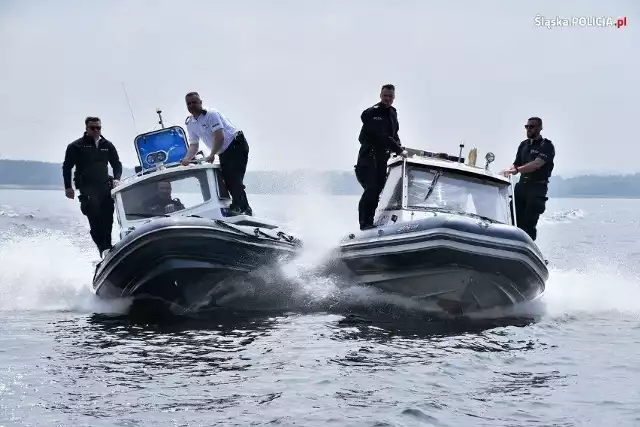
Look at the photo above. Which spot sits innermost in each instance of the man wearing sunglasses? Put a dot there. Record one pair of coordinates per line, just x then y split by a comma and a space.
90, 155
534, 161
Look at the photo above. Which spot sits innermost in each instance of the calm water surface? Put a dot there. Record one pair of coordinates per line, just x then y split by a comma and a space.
300, 357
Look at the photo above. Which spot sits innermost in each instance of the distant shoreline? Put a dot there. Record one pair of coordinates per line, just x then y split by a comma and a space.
557, 196
34, 175
30, 187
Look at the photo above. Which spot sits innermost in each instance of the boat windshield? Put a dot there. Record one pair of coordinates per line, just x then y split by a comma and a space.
165, 194
391, 196
454, 192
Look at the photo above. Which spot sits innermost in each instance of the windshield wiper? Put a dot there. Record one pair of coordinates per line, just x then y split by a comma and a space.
434, 181
144, 215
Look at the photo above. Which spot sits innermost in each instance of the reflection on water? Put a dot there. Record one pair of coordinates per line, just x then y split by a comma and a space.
175, 366
239, 369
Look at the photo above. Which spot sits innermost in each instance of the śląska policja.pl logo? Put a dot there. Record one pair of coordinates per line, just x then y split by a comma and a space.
580, 21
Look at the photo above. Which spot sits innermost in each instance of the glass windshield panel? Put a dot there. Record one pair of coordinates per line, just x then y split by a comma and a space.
458, 193
166, 194
391, 196
223, 191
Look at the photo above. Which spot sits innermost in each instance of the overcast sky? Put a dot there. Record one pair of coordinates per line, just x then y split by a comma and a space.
295, 75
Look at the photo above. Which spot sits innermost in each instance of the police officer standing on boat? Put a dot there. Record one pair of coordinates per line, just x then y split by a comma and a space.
90, 156
223, 139
534, 161
378, 138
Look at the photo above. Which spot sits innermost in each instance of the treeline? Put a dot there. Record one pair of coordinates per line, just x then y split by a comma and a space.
33, 174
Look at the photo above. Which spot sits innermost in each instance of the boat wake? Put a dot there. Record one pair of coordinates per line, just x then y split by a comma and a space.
563, 216
48, 271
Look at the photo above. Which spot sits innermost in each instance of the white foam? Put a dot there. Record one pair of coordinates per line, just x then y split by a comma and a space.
46, 272
49, 272
596, 289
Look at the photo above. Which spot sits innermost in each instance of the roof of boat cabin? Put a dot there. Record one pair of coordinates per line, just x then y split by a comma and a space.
478, 171
150, 174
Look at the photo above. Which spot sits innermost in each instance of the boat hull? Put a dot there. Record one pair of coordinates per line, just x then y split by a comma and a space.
179, 261
449, 264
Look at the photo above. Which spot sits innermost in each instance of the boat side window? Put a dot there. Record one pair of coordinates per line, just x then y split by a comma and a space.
165, 194
223, 191
458, 193
391, 196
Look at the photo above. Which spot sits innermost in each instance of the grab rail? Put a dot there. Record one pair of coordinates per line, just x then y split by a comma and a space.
513, 201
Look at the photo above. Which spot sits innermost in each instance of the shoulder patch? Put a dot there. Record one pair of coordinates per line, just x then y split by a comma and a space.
187, 120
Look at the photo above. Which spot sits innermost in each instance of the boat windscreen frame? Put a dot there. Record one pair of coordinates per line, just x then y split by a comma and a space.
207, 193
406, 166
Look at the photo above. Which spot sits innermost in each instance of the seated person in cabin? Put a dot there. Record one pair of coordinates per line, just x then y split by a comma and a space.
162, 203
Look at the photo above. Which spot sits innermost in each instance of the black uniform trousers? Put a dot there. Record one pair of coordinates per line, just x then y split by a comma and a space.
97, 205
233, 165
371, 173
531, 201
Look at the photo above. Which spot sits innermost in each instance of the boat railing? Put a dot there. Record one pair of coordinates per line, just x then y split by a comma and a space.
512, 206
411, 152
458, 161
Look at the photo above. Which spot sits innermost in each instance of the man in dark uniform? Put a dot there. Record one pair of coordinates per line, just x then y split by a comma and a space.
162, 203
90, 156
378, 138
534, 161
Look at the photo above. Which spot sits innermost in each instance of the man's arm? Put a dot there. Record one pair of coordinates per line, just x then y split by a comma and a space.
193, 149
178, 203
547, 153
379, 137
397, 137
114, 161
193, 145
218, 138
516, 163
218, 134
68, 164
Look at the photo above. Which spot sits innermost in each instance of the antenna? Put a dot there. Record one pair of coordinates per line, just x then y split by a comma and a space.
160, 122
133, 118
460, 155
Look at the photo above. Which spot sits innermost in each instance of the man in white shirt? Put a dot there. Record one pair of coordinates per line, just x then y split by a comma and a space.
223, 139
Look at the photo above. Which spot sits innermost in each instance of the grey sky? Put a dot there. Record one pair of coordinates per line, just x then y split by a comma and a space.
295, 75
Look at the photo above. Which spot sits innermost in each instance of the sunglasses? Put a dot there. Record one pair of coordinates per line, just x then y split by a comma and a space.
95, 127
530, 126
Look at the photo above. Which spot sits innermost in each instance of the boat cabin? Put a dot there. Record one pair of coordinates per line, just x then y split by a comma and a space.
162, 187
426, 183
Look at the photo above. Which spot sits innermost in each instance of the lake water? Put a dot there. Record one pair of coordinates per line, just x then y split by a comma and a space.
66, 358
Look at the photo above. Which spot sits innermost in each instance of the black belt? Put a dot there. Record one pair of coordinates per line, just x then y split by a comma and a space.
532, 181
